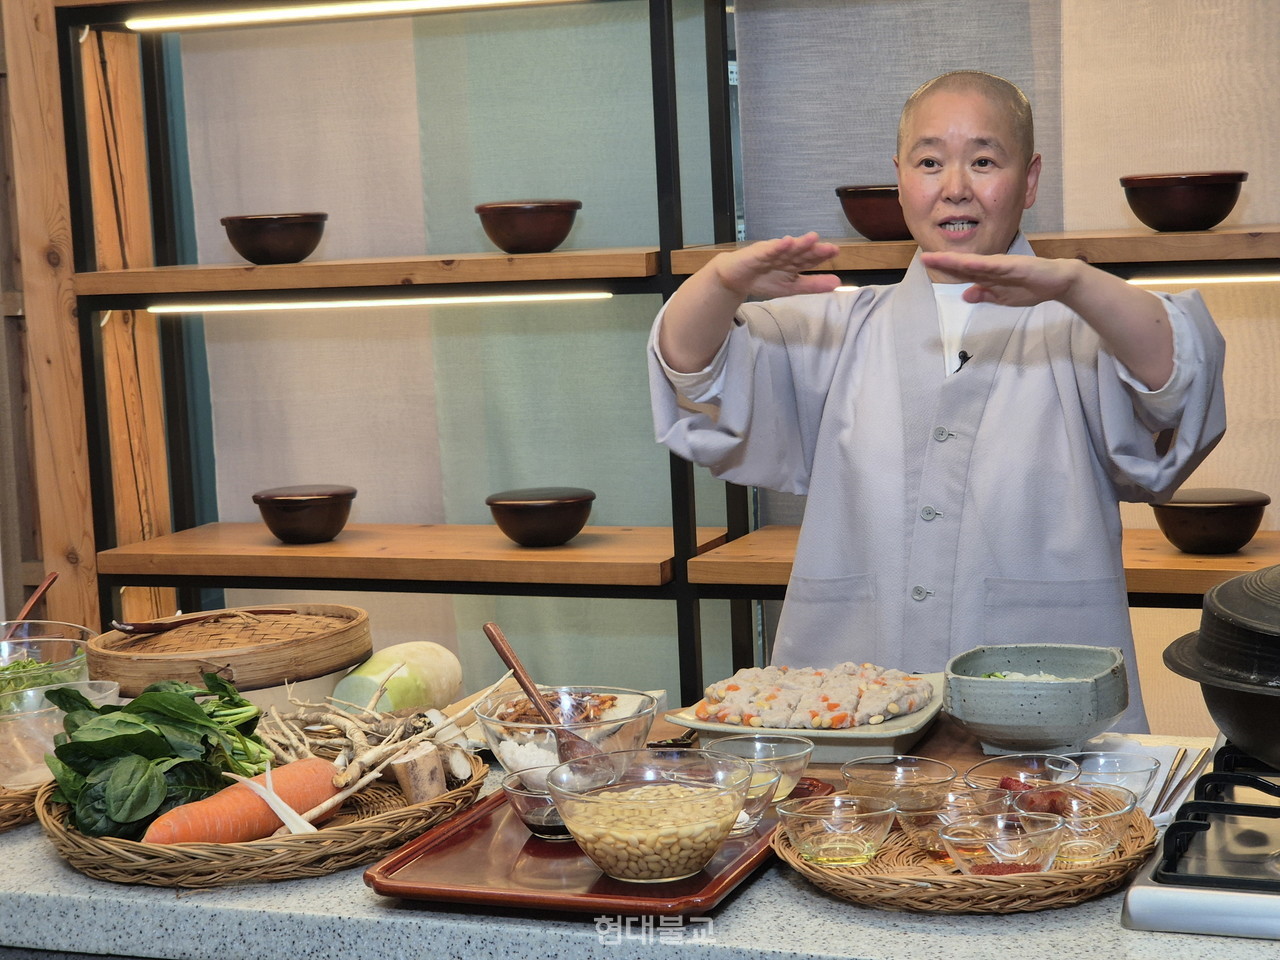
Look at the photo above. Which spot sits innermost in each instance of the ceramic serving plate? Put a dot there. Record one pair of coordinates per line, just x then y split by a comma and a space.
836, 746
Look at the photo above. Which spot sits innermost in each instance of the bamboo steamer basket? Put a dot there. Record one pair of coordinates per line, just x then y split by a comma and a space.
252, 651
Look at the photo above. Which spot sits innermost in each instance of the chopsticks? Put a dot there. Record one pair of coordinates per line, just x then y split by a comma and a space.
1163, 803
1169, 777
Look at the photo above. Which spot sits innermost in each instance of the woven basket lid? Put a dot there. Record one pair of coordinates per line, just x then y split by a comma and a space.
251, 650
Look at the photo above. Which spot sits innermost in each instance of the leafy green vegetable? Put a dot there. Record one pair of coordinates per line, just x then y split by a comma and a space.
121, 766
25, 673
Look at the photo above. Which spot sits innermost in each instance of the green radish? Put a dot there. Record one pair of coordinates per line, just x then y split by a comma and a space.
418, 675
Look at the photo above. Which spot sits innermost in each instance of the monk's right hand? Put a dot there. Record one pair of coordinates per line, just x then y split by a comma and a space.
776, 268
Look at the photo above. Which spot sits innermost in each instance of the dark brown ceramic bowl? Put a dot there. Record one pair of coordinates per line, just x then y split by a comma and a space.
528, 226
311, 513
1183, 201
1211, 519
874, 212
275, 237
541, 516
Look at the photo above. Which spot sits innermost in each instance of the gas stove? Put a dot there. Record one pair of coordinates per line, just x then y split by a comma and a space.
1217, 868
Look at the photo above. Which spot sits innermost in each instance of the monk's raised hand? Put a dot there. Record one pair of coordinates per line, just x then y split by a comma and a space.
1012, 281
776, 268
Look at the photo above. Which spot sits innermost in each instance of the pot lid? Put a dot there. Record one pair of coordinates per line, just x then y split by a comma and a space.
1178, 179
878, 190
532, 495
312, 491
1238, 643
1248, 602
1219, 497
1185, 658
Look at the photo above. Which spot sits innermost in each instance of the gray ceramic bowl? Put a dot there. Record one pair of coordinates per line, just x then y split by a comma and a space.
1011, 715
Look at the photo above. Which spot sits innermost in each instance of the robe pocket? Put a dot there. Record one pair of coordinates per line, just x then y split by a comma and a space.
1057, 611
826, 613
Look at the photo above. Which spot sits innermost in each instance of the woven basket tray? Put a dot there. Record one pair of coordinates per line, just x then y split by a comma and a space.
372, 822
252, 651
16, 807
901, 877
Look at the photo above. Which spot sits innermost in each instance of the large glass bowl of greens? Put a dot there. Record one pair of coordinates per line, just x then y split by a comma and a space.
28, 723
42, 653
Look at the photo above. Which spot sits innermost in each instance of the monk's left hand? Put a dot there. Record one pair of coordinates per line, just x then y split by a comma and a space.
1011, 281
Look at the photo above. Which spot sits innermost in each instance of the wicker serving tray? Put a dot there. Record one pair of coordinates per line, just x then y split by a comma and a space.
372, 822
16, 807
901, 877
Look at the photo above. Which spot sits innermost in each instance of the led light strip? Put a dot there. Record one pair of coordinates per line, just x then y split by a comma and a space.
197, 307
1200, 281
320, 11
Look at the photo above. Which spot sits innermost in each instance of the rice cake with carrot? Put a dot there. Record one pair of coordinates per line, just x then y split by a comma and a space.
845, 696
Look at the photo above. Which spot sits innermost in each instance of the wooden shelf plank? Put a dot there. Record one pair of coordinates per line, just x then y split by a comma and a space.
763, 557
1151, 563
1261, 242
381, 272
613, 556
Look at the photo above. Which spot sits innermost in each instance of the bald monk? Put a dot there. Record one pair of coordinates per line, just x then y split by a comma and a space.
964, 437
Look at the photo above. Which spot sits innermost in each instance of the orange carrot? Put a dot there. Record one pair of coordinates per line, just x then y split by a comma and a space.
236, 814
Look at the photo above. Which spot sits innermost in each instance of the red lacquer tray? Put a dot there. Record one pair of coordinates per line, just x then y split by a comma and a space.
485, 855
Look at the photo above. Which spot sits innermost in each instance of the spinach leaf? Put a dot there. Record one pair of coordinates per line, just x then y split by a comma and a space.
91, 815
186, 742
70, 783
173, 705
135, 789
110, 736
189, 780
69, 699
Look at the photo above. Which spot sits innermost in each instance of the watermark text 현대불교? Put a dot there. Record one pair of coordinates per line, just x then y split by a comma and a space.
651, 929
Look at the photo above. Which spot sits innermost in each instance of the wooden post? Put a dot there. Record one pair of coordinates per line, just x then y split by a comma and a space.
64, 507
117, 162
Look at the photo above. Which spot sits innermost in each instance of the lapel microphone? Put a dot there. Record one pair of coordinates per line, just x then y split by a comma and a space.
964, 358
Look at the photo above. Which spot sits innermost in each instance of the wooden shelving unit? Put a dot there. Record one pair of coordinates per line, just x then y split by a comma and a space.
1152, 565
1260, 242
97, 193
410, 553
95, 215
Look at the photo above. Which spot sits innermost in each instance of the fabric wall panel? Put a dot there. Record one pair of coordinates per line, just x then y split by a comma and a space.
1168, 87
319, 117
397, 128
822, 83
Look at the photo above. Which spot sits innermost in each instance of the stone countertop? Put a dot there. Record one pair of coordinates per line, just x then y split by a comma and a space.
46, 905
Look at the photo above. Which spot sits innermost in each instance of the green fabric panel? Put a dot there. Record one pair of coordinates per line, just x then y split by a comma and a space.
556, 394
557, 103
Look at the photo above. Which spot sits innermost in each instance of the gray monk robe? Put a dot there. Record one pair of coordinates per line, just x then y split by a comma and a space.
945, 512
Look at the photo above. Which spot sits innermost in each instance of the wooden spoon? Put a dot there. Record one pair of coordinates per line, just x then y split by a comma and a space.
569, 745
160, 626
30, 605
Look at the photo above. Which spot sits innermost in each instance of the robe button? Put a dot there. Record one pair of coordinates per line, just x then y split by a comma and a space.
942, 434
919, 593
928, 513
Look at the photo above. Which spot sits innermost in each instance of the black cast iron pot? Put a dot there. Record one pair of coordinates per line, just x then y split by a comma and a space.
1235, 657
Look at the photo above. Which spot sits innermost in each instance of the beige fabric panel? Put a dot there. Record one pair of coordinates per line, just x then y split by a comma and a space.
340, 136
1167, 86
